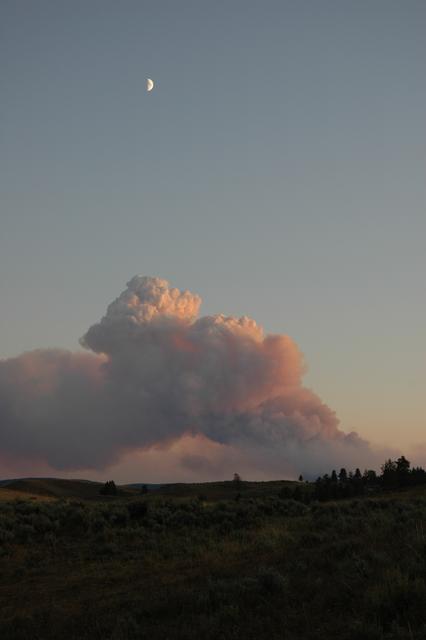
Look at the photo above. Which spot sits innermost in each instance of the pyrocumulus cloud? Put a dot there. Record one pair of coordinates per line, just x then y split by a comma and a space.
155, 372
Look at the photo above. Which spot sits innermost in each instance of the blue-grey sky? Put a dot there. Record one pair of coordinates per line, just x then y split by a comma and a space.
277, 169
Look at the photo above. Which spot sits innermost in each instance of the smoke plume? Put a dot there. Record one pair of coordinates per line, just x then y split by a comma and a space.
154, 373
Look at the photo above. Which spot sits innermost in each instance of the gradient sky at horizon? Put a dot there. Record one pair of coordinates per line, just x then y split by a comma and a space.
277, 169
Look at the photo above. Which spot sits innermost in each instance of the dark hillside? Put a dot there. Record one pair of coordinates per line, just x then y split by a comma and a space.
60, 488
89, 490
226, 490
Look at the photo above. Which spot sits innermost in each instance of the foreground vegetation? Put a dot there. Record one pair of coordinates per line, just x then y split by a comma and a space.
220, 561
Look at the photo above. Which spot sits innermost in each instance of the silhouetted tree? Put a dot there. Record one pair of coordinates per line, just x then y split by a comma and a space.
418, 476
343, 476
319, 492
357, 483
324, 488
389, 474
369, 478
237, 480
402, 471
109, 489
300, 478
395, 473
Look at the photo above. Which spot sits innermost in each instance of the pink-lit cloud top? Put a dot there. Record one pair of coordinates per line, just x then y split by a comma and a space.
156, 374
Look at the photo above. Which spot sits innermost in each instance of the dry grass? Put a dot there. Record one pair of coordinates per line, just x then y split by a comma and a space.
253, 569
13, 494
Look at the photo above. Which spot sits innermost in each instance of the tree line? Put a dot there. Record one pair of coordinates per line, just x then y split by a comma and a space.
395, 474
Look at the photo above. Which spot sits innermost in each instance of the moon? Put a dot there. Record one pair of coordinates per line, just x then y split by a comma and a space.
149, 84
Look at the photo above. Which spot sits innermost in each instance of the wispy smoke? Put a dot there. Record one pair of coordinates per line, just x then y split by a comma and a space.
157, 373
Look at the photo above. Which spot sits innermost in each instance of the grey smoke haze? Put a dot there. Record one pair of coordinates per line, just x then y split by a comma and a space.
155, 372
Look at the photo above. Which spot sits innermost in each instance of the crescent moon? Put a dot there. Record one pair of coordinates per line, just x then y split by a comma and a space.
149, 84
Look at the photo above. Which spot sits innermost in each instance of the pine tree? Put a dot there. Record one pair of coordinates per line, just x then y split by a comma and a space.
402, 471
109, 489
343, 476
237, 480
389, 474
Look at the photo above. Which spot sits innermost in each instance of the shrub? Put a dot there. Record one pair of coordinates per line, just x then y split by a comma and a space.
24, 532
271, 580
398, 597
126, 628
137, 510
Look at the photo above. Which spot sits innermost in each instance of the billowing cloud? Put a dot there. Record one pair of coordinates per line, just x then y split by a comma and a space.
155, 374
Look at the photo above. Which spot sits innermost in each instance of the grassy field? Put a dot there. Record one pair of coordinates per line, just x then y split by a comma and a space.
15, 494
212, 561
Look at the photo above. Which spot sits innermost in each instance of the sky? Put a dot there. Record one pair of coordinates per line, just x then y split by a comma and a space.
277, 169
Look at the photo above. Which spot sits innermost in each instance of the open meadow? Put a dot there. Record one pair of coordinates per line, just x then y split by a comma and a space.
216, 560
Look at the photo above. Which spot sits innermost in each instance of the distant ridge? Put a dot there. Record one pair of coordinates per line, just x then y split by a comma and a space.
148, 485
59, 487
80, 489
8, 481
